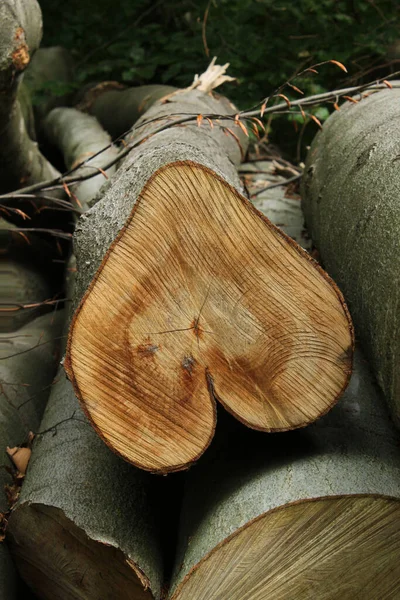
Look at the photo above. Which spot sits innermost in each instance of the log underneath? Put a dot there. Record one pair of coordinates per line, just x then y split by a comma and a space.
118, 109
84, 523
314, 514
200, 298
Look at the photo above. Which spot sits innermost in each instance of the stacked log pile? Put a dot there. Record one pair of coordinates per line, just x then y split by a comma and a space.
194, 296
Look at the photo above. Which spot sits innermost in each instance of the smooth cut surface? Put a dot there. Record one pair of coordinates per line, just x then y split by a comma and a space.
324, 549
201, 297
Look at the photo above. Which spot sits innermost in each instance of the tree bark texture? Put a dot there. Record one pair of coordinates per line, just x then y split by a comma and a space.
49, 67
116, 108
79, 136
21, 162
83, 526
351, 203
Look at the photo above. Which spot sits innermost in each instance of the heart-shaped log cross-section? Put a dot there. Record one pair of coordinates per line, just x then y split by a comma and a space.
201, 298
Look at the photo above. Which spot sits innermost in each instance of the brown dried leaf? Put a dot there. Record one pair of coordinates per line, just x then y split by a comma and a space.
350, 99
259, 123
336, 106
66, 189
24, 236
199, 120
262, 111
20, 457
317, 121
286, 99
338, 64
22, 214
387, 83
210, 122
242, 127
296, 89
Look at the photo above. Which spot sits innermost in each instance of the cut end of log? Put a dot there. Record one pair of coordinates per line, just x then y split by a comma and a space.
200, 298
58, 560
343, 547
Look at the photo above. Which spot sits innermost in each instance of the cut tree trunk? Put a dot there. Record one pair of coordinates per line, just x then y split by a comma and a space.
118, 108
313, 514
351, 203
83, 527
191, 296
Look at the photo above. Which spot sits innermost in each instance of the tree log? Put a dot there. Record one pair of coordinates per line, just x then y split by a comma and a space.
350, 198
79, 136
25, 381
29, 278
191, 296
49, 71
21, 162
314, 514
83, 526
116, 108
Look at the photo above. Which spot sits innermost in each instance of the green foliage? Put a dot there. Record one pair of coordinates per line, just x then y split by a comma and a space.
265, 41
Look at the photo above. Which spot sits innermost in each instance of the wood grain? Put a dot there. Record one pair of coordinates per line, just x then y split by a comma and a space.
325, 549
201, 298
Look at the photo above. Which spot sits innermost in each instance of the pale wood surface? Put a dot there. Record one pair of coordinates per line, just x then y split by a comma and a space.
200, 297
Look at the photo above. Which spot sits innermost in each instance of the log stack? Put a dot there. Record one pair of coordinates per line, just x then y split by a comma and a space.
188, 303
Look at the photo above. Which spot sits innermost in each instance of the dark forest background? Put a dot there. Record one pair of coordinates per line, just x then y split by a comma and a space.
265, 41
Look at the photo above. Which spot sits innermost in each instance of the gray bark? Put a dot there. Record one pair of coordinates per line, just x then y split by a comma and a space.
21, 162
351, 203
352, 450
25, 381
49, 73
79, 136
98, 228
73, 471
28, 276
118, 109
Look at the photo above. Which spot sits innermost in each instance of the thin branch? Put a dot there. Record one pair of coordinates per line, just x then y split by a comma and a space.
281, 108
275, 185
61, 337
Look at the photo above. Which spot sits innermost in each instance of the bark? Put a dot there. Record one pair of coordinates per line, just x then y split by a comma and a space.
116, 108
350, 198
171, 241
83, 526
25, 381
50, 72
28, 278
79, 136
321, 501
21, 162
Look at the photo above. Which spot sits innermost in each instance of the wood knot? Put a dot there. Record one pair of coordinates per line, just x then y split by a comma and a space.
188, 363
20, 56
147, 349
197, 330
